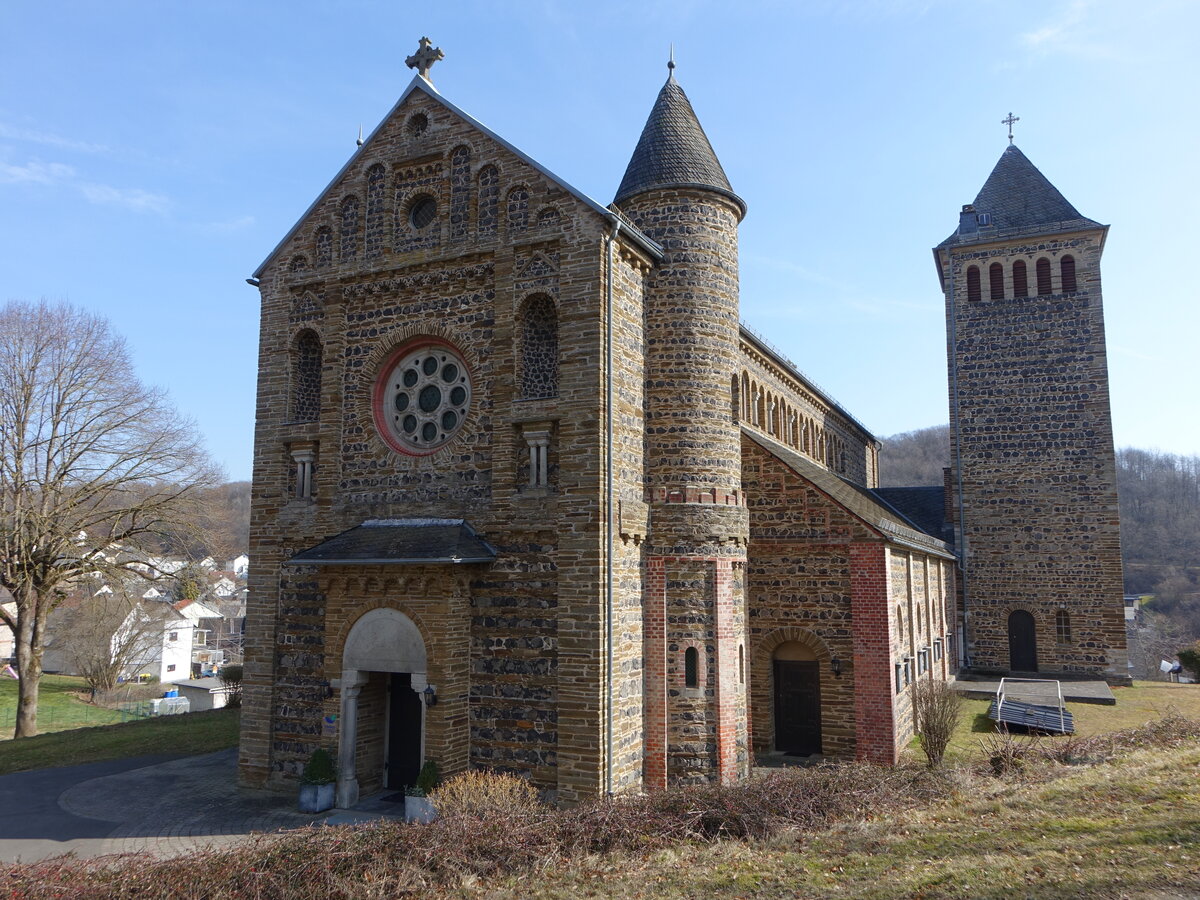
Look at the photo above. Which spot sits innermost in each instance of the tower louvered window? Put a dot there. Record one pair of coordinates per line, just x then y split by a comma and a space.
1067, 270
974, 291
1043, 277
996, 277
1020, 279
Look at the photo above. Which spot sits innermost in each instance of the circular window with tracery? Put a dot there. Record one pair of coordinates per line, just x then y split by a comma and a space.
422, 397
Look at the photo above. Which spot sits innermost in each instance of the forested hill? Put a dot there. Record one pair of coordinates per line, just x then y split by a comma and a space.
1160, 514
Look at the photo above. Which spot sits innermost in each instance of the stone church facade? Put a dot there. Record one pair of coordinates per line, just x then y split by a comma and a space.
528, 495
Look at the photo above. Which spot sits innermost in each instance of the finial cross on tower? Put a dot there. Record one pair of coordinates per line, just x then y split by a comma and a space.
1009, 122
424, 58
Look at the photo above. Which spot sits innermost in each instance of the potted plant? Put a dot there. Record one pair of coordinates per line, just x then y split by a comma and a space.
317, 783
417, 807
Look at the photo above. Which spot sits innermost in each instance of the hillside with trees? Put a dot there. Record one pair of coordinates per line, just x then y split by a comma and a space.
1160, 517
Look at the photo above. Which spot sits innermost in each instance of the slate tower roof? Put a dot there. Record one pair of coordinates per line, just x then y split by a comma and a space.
674, 151
1018, 200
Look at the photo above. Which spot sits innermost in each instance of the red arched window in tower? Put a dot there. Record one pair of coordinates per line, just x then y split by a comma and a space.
996, 278
974, 291
1067, 270
1043, 277
1020, 279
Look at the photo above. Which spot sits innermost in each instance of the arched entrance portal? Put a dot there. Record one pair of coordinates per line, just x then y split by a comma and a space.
797, 677
385, 651
1022, 642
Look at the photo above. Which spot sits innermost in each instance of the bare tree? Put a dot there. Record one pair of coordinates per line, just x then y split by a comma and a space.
108, 632
91, 462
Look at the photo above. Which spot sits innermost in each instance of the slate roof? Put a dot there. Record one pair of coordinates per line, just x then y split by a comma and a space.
923, 506
1020, 200
674, 151
856, 500
400, 542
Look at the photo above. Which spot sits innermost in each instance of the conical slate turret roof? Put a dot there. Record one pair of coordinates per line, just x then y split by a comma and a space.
674, 151
1020, 200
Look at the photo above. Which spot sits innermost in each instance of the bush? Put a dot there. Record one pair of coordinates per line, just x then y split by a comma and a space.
319, 769
231, 678
485, 795
935, 713
427, 779
1007, 755
1189, 658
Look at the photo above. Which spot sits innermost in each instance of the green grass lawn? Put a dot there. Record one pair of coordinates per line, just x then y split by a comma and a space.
1137, 705
72, 731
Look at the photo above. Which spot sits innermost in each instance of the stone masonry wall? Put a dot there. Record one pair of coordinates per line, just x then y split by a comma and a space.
1031, 433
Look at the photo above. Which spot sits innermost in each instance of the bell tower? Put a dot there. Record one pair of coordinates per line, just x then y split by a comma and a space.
676, 191
1033, 471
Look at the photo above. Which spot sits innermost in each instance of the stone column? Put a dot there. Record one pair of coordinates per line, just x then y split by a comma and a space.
351, 684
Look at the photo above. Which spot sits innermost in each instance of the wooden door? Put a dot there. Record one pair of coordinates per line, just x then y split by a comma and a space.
797, 707
1022, 642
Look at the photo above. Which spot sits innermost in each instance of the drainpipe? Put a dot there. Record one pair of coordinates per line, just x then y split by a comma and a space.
961, 547
609, 488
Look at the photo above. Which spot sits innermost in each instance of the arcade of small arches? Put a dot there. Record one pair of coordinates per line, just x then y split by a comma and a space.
769, 412
1000, 287
402, 211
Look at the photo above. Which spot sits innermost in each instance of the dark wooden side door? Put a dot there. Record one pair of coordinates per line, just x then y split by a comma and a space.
797, 707
1022, 642
404, 733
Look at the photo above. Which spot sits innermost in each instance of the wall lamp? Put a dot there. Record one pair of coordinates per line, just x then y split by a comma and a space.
326, 689
430, 695
836, 665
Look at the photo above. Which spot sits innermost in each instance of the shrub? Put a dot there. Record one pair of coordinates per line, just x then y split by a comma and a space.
319, 769
1189, 658
427, 780
485, 795
231, 678
1007, 755
935, 713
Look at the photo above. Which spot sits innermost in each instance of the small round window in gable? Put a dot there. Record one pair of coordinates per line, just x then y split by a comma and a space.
422, 397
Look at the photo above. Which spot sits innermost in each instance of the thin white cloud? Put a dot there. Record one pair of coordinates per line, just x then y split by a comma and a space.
228, 226
49, 140
36, 172
129, 198
1070, 31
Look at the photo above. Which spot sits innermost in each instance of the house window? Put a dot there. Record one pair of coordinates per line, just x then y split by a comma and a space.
1043, 277
691, 668
173, 636
899, 678
171, 667
1067, 270
1062, 626
974, 291
1020, 279
996, 277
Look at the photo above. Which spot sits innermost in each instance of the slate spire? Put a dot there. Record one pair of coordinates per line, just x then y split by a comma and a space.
1018, 199
674, 151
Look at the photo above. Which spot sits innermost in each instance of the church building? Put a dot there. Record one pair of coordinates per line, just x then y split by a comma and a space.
529, 496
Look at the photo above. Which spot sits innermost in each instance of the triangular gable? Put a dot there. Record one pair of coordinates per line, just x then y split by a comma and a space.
420, 84
856, 501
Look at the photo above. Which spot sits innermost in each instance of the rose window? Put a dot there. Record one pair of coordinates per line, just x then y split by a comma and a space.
425, 398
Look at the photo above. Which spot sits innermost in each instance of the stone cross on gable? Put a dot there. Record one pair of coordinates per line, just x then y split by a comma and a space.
424, 58
1009, 122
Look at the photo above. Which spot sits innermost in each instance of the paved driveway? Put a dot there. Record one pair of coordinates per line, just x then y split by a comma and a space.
152, 804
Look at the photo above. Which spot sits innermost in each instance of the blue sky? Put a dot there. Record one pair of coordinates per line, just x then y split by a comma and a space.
153, 152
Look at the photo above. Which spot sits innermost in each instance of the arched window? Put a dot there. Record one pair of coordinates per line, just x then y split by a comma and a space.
539, 347
1062, 626
518, 209
734, 398
974, 291
1020, 279
324, 246
489, 197
298, 264
376, 186
996, 277
741, 664
460, 192
306, 378
900, 621
548, 217
691, 667
349, 231
1043, 277
1067, 270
